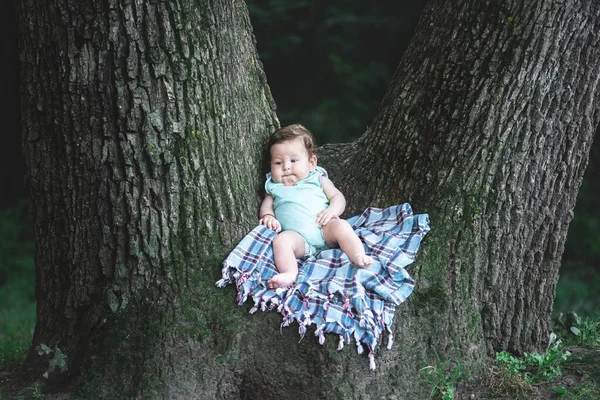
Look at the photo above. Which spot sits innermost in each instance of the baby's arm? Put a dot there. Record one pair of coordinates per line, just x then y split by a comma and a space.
337, 202
267, 214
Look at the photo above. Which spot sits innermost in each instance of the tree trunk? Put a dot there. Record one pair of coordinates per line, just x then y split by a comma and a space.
487, 127
143, 130
143, 127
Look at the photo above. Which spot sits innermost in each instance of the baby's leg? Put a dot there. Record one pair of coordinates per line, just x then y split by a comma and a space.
287, 246
339, 232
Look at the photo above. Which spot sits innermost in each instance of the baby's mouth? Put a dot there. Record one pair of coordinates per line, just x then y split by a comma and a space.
288, 180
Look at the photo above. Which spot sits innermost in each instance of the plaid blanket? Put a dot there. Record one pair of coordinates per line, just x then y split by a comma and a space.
330, 292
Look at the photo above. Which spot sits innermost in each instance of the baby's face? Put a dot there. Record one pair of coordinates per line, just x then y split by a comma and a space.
290, 162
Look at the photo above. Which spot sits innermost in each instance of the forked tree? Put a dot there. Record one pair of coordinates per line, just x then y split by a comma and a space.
144, 124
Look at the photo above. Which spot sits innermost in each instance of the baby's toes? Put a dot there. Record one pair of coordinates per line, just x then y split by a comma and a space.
367, 260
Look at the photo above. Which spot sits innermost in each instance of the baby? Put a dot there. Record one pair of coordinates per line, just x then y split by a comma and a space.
303, 206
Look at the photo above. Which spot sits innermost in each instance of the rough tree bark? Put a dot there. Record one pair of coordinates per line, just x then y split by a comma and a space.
143, 126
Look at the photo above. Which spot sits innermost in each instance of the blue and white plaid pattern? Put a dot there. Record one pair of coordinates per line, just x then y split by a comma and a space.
330, 292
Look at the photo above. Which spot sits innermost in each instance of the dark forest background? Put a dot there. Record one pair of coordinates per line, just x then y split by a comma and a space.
328, 65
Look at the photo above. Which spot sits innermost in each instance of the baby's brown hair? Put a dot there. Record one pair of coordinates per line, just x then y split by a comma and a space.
293, 132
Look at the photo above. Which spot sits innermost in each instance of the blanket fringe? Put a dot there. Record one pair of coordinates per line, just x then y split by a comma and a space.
372, 361
359, 348
221, 283
390, 342
320, 334
340, 343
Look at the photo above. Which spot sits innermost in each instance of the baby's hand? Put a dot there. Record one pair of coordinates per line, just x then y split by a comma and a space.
325, 216
270, 222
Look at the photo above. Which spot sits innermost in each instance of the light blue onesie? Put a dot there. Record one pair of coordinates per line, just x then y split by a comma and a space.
296, 207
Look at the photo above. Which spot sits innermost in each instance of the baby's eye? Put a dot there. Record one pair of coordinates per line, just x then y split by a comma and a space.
294, 161
277, 163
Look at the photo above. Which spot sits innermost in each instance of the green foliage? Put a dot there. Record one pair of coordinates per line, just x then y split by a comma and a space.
536, 367
588, 333
577, 331
511, 363
17, 300
443, 377
566, 324
58, 360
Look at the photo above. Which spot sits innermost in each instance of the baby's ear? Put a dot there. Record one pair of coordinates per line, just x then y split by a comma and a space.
313, 162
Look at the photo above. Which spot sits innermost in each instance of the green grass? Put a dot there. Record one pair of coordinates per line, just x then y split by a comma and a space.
588, 333
17, 300
443, 377
586, 389
577, 331
536, 367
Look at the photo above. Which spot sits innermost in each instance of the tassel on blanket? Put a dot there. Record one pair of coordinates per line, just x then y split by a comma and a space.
307, 321
390, 342
320, 334
301, 331
359, 348
283, 309
372, 361
341, 343
221, 283
286, 322
346, 306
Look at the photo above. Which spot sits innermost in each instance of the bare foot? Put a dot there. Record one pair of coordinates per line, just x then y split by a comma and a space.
361, 260
282, 280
